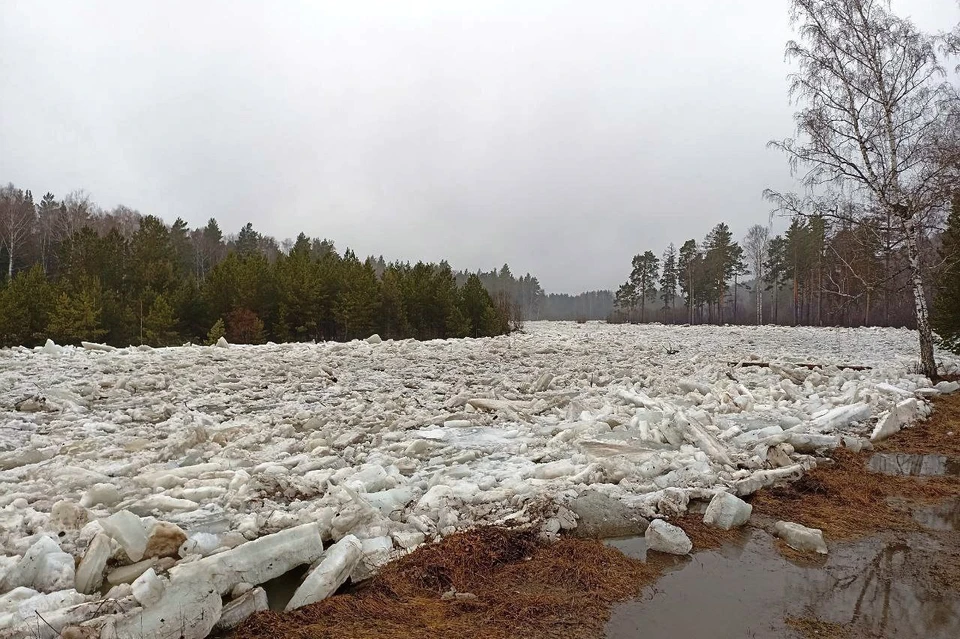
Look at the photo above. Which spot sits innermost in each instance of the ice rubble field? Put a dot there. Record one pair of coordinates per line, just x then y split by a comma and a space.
385, 445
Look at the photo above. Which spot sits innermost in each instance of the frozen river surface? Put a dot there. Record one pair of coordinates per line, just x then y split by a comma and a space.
399, 442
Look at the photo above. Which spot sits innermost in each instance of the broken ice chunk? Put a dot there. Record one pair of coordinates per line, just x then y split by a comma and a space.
256, 561
127, 529
25, 572
55, 572
727, 511
336, 565
89, 574
842, 416
237, 610
664, 537
106, 494
800, 537
127, 574
148, 588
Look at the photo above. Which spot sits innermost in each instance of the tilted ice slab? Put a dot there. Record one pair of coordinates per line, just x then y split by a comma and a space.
409, 440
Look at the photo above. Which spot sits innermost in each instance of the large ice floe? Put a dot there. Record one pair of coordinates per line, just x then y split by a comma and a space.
149, 492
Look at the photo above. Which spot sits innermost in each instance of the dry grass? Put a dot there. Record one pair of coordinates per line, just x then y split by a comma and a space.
846, 501
522, 588
930, 437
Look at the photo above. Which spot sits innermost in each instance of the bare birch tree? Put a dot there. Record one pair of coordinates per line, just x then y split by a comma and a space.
874, 113
757, 245
17, 218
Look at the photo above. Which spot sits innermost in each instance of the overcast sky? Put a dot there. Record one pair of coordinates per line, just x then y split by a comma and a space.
561, 137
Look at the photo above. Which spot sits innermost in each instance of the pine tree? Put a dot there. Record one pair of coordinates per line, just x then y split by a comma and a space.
643, 277
76, 315
151, 258
25, 307
946, 309
689, 266
722, 257
798, 263
357, 305
668, 279
180, 245
777, 271
298, 292
626, 299
160, 324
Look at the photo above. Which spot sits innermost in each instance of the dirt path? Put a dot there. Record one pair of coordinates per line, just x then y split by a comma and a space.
893, 568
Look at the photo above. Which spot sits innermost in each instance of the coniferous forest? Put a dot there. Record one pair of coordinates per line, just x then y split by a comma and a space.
76, 273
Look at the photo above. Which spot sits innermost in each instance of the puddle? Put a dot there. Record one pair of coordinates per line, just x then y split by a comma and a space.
747, 589
280, 590
634, 547
941, 517
916, 465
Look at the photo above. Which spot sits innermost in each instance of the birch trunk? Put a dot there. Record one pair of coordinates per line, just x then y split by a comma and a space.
928, 365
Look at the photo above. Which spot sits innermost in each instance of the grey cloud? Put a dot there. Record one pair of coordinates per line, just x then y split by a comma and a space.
561, 137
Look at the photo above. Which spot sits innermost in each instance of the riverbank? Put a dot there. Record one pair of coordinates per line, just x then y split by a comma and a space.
893, 567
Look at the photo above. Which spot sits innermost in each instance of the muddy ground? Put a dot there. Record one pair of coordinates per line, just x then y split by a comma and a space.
891, 518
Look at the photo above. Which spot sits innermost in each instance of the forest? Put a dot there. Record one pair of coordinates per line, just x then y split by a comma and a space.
78, 273
815, 273
75, 272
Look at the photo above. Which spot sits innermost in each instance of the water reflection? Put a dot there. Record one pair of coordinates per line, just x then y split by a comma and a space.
945, 516
747, 589
903, 464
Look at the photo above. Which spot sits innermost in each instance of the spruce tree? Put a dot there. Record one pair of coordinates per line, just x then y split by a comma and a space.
393, 319
478, 309
946, 306
248, 241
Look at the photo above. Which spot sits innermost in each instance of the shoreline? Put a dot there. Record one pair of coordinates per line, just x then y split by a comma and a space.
525, 589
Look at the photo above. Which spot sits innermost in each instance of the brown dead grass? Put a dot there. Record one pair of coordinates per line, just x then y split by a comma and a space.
846, 501
930, 437
522, 587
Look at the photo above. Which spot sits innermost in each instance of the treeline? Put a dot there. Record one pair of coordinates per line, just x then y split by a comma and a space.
530, 302
816, 273
77, 273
